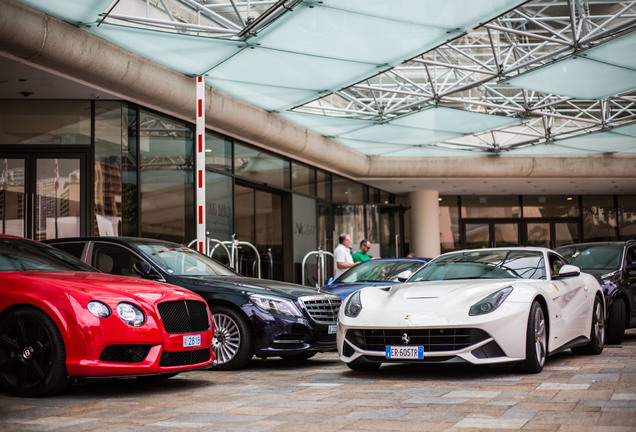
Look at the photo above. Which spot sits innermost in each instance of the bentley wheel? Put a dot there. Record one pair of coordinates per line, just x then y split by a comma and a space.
597, 332
362, 366
32, 354
536, 341
616, 322
232, 340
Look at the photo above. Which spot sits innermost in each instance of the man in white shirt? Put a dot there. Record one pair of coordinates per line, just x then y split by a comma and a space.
342, 255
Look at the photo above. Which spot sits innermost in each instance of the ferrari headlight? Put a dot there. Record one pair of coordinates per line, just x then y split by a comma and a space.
354, 305
131, 314
99, 309
276, 305
490, 303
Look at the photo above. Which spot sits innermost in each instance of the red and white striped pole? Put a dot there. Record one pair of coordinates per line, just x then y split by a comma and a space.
200, 167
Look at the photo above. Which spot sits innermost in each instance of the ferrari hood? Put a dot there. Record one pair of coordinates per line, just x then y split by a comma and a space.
427, 302
251, 285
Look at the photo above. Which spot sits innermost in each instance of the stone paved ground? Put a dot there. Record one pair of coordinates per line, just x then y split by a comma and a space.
573, 393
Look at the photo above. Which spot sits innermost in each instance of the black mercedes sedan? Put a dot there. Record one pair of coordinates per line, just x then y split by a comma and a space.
251, 316
614, 265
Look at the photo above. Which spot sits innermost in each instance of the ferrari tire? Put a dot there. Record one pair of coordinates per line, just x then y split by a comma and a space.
32, 354
616, 322
362, 366
232, 340
536, 340
597, 333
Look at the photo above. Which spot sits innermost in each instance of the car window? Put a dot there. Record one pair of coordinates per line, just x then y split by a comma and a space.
378, 271
114, 259
23, 255
594, 257
182, 261
75, 248
491, 264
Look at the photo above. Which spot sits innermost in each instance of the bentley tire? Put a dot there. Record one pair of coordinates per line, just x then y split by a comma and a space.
32, 354
616, 321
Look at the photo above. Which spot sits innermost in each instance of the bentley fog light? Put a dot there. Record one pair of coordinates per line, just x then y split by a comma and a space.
353, 306
99, 309
490, 303
276, 305
131, 314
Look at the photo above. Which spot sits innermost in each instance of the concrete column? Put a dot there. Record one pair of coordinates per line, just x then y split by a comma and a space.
425, 240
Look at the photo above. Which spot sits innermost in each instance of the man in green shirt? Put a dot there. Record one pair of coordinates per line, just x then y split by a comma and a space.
362, 254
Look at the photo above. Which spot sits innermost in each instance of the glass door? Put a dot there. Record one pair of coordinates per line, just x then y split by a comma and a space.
550, 234
43, 196
484, 234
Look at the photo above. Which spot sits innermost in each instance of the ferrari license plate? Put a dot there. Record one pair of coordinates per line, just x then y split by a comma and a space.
332, 329
191, 341
404, 352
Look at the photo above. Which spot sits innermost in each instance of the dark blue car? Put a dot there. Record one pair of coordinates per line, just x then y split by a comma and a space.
251, 316
378, 272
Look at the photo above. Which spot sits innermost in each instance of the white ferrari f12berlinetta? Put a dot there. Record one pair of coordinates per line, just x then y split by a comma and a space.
482, 306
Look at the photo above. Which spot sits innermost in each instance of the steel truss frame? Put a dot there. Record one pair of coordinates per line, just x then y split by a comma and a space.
465, 73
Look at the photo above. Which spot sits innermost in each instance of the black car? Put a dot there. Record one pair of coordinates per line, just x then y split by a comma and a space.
251, 316
614, 265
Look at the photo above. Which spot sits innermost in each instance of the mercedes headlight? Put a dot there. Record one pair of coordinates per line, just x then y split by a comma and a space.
490, 303
131, 314
276, 305
354, 305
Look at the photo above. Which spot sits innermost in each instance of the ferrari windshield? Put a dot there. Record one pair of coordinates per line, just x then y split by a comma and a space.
183, 261
25, 255
486, 264
604, 257
378, 271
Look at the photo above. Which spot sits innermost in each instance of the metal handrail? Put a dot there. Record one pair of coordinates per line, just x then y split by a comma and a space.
234, 259
321, 266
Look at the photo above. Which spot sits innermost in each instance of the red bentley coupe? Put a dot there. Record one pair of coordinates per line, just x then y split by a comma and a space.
61, 320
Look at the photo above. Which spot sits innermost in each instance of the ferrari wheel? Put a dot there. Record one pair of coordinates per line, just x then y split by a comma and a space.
616, 322
536, 341
597, 333
32, 354
232, 340
360, 366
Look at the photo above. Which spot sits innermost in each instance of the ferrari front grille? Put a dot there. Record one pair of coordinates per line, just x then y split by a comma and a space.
184, 316
321, 308
433, 340
184, 358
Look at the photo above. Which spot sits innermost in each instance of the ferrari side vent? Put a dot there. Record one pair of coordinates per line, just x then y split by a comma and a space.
433, 340
184, 358
184, 316
321, 308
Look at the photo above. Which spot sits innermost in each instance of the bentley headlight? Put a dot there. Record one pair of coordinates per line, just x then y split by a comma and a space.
99, 309
276, 305
131, 314
490, 303
354, 305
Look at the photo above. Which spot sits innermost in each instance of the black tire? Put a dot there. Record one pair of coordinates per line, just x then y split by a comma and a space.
362, 366
232, 341
616, 322
32, 354
299, 357
597, 332
536, 341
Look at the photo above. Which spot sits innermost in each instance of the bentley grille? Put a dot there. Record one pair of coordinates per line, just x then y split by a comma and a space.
322, 309
433, 340
184, 316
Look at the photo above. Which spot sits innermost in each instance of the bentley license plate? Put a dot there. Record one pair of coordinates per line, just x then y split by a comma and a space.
191, 341
404, 352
